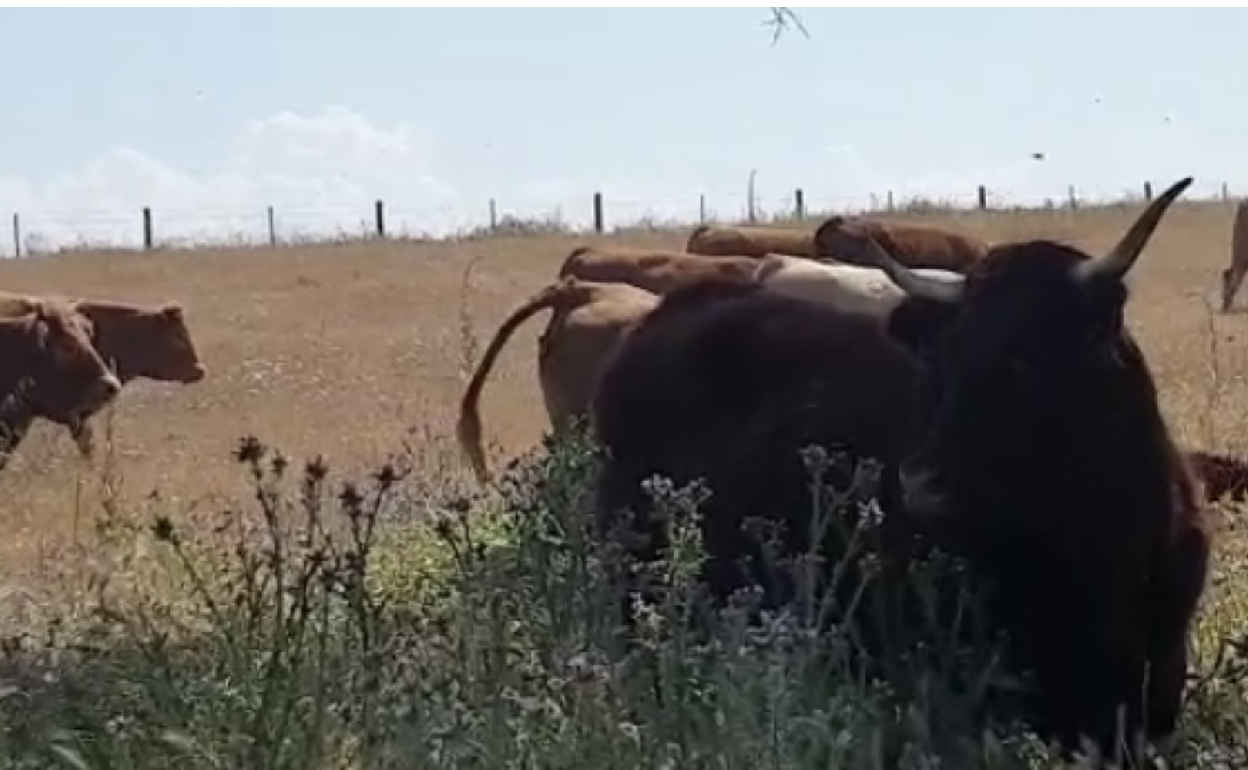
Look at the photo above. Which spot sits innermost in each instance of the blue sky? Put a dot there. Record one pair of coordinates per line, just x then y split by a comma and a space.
209, 115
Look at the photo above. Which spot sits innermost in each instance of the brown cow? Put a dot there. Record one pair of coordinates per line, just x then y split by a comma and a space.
750, 241
135, 341
587, 321
1233, 276
1033, 447
48, 369
139, 342
655, 270
846, 238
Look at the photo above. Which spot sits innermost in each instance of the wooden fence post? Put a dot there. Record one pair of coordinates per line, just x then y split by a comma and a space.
799, 204
599, 217
379, 218
147, 228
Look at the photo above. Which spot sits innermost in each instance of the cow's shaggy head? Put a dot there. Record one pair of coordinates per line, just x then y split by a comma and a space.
1031, 348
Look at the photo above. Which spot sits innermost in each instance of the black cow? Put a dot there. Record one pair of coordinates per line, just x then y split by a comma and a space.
1048, 455
1033, 446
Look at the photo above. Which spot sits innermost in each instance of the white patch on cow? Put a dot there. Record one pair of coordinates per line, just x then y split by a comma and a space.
851, 288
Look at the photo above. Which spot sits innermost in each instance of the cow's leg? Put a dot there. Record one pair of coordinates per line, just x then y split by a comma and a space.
1172, 604
11, 437
1232, 277
84, 436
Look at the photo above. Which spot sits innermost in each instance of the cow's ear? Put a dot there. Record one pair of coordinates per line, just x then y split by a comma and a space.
918, 323
172, 312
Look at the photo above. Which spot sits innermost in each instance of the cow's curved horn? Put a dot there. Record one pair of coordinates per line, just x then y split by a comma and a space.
923, 287
1122, 257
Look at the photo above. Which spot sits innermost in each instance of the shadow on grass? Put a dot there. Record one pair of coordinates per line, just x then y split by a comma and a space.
327, 626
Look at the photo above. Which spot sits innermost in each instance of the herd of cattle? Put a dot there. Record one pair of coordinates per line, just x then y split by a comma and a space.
68, 357
1014, 415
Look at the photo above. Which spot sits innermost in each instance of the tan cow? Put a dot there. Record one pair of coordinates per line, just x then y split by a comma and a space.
751, 241
1233, 276
845, 238
654, 270
134, 341
587, 321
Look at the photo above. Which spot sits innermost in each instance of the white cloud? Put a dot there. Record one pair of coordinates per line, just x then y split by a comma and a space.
321, 173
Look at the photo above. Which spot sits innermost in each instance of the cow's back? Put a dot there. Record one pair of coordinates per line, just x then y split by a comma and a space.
916, 246
726, 385
750, 241
657, 271
716, 367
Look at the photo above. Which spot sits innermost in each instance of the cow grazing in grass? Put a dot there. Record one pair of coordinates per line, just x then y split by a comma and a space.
750, 241
846, 239
587, 321
655, 270
48, 369
1030, 444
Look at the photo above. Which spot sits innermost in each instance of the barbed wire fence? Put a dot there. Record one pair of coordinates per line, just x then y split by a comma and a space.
39, 233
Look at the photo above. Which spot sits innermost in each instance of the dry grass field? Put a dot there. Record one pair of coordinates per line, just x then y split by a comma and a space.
351, 350
359, 351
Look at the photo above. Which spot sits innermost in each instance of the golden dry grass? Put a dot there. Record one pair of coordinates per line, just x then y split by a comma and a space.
340, 349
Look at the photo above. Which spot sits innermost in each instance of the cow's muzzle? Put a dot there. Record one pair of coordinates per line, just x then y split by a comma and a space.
194, 374
107, 388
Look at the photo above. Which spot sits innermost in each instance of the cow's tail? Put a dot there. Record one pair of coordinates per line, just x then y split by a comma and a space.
468, 429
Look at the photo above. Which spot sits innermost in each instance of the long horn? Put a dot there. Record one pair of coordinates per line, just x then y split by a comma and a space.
921, 286
1122, 257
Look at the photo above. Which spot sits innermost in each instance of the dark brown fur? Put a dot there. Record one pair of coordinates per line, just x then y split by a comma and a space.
845, 238
1055, 473
49, 369
727, 383
1060, 481
134, 341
